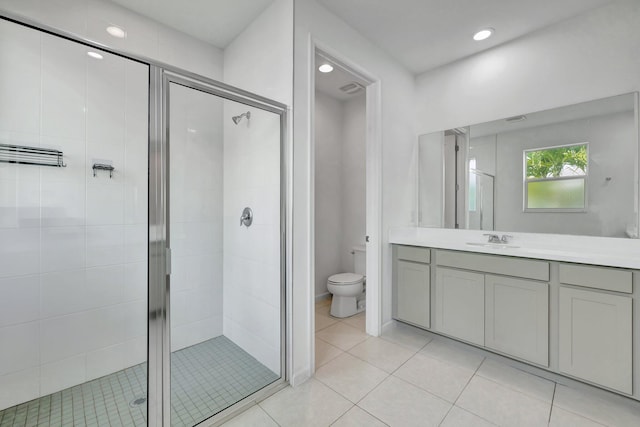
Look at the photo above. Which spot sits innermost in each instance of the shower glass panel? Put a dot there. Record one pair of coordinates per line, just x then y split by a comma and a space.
225, 286
73, 238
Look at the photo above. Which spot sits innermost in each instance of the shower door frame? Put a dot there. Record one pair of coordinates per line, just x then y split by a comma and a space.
161, 79
159, 255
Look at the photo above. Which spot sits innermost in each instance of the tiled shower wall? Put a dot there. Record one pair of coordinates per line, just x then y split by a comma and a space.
252, 254
73, 247
195, 175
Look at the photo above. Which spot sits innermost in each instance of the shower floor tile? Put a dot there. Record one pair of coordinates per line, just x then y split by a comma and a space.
205, 379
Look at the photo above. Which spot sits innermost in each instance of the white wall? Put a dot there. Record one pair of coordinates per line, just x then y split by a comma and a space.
314, 22
610, 204
329, 183
196, 153
353, 192
258, 60
588, 57
73, 247
145, 37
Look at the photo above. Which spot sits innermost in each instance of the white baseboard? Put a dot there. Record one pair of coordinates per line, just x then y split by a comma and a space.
322, 297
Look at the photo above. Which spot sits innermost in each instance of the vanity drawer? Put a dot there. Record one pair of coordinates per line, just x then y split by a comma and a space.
610, 279
507, 266
413, 253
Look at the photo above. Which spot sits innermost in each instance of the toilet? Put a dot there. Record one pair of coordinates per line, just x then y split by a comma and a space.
348, 288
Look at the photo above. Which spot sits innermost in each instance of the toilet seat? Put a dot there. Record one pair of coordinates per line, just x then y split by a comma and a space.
346, 279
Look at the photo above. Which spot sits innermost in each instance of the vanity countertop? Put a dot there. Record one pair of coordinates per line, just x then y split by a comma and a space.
605, 251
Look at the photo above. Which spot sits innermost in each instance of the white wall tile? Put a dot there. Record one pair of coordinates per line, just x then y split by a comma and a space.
105, 361
62, 203
105, 245
20, 250
62, 293
20, 301
62, 374
19, 203
136, 242
19, 79
104, 286
135, 281
63, 88
62, 248
104, 327
105, 200
63, 337
19, 387
20, 344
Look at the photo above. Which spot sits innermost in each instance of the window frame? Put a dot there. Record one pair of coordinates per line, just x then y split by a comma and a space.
526, 180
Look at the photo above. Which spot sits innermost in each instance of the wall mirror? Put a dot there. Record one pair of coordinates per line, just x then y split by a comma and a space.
568, 170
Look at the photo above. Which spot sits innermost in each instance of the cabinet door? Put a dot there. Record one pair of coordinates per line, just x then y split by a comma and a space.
517, 318
595, 337
460, 304
413, 289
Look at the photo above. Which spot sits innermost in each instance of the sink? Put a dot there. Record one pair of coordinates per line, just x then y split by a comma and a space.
493, 245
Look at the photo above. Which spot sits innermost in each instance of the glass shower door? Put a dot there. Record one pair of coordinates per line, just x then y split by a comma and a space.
225, 286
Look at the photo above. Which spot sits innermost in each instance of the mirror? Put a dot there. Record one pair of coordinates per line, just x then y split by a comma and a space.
568, 170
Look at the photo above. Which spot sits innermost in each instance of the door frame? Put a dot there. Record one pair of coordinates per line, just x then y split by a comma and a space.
373, 188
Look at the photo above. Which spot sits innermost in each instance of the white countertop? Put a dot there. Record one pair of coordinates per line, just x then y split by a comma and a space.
606, 251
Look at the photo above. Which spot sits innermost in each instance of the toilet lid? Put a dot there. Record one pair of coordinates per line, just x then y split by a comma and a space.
346, 278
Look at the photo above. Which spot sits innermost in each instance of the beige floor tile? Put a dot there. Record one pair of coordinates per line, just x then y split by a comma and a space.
350, 376
516, 379
435, 376
382, 354
458, 417
562, 418
502, 405
255, 417
310, 404
598, 405
399, 403
453, 353
325, 352
407, 336
357, 417
323, 322
359, 321
342, 336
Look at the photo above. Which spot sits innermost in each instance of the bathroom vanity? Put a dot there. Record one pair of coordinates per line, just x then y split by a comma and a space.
561, 303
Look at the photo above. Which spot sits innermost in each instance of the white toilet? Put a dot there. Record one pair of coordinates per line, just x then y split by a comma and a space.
348, 288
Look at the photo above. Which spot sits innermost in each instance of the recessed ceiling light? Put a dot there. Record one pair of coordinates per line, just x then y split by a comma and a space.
95, 55
483, 34
116, 32
325, 68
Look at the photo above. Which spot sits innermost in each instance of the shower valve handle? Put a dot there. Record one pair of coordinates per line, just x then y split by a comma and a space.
247, 217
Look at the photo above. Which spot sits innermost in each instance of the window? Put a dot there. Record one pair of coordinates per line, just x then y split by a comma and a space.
555, 178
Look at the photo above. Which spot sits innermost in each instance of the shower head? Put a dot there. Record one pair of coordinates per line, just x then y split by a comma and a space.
237, 119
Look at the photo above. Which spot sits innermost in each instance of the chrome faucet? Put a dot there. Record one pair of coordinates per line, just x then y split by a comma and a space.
494, 238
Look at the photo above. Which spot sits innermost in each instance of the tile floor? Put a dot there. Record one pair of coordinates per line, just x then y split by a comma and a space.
205, 379
409, 377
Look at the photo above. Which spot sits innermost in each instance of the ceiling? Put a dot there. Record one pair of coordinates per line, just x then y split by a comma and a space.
425, 34
330, 83
217, 22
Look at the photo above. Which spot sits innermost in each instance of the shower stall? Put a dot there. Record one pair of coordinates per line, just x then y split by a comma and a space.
135, 288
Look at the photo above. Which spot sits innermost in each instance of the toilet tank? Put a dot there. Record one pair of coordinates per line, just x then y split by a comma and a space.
359, 260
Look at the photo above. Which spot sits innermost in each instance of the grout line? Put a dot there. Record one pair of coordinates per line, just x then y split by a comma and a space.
343, 414
552, 399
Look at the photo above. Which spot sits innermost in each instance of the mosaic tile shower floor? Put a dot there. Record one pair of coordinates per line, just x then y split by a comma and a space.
205, 379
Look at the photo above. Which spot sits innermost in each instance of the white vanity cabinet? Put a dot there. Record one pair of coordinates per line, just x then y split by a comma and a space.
459, 304
517, 317
595, 327
412, 285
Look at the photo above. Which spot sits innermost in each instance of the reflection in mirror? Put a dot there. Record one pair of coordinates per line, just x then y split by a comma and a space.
569, 170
